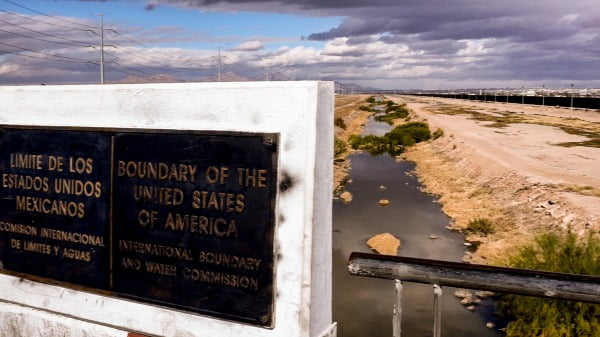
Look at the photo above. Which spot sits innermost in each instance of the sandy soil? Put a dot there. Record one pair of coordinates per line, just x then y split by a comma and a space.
513, 172
346, 108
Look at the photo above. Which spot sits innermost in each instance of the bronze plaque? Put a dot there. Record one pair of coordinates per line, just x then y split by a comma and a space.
54, 204
180, 219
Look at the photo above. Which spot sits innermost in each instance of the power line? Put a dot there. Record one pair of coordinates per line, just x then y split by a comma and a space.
77, 43
41, 58
53, 55
42, 21
123, 71
132, 74
44, 40
118, 44
241, 67
84, 44
167, 69
129, 39
120, 60
126, 67
149, 57
50, 16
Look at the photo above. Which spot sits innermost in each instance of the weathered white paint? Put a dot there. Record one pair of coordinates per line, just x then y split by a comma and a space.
16, 320
301, 112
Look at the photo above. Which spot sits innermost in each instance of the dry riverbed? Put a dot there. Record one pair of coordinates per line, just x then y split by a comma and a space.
528, 169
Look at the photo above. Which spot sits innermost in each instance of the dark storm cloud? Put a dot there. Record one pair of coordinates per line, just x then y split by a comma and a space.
358, 40
517, 20
348, 53
433, 19
474, 41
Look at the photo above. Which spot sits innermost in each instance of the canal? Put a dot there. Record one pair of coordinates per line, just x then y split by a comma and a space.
363, 306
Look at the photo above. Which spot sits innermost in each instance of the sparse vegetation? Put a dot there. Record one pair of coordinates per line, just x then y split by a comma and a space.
592, 132
581, 189
438, 133
389, 118
339, 147
505, 118
480, 226
371, 99
394, 141
534, 317
365, 108
396, 108
417, 131
339, 121
595, 142
392, 111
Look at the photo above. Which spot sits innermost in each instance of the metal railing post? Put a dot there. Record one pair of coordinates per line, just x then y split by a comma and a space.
583, 288
397, 324
437, 311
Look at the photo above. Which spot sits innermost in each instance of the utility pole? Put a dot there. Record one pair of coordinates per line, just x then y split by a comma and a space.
101, 48
571, 96
219, 66
543, 87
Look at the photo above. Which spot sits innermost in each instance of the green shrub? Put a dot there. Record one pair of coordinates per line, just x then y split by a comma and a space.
418, 131
389, 118
394, 141
481, 226
399, 108
355, 141
371, 99
364, 108
438, 133
533, 316
339, 121
392, 112
407, 140
339, 147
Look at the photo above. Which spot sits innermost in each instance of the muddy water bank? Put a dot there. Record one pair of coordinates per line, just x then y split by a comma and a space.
363, 306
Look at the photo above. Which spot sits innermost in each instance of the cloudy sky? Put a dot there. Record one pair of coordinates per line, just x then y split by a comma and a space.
433, 44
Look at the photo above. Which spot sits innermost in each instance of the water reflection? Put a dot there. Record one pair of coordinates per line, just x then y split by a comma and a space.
363, 306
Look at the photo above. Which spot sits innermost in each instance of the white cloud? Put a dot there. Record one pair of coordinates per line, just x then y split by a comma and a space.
406, 44
253, 45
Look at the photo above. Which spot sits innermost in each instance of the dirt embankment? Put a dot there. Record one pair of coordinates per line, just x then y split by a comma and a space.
528, 169
347, 109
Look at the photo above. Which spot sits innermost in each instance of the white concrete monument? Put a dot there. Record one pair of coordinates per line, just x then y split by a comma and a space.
197, 209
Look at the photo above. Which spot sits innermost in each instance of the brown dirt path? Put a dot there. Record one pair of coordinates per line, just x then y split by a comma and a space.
504, 162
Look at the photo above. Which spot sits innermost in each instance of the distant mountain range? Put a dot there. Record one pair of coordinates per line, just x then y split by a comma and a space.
352, 88
225, 77
341, 88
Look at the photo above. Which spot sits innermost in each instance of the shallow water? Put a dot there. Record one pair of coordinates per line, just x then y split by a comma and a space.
376, 128
363, 306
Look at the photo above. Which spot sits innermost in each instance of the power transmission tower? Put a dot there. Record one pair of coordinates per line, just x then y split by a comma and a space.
101, 48
219, 66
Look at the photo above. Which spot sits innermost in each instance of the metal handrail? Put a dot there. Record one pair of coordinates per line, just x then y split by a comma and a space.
582, 288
